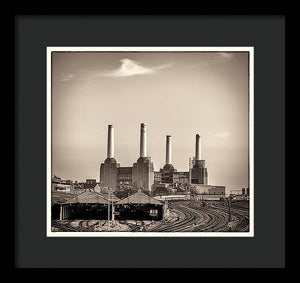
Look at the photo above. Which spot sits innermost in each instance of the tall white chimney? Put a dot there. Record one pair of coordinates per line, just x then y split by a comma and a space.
198, 148
143, 141
169, 150
110, 142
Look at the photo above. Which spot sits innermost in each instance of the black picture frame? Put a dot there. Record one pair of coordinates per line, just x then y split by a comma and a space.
33, 33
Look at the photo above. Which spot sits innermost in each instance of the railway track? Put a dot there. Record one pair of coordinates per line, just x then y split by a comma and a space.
88, 227
183, 220
65, 226
218, 219
241, 213
190, 219
193, 217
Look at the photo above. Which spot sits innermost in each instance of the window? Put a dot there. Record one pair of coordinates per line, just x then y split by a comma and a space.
153, 212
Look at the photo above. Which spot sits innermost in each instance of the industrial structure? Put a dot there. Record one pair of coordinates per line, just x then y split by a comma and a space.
143, 169
139, 206
199, 173
142, 175
109, 169
139, 176
59, 185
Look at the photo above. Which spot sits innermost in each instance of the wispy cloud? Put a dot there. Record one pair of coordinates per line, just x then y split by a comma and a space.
225, 56
213, 59
131, 68
65, 78
222, 135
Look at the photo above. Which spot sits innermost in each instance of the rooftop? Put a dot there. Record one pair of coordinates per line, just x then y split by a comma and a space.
60, 197
88, 197
139, 198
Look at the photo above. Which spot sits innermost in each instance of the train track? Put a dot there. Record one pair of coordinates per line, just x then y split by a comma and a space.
241, 213
88, 227
65, 226
219, 220
193, 217
183, 219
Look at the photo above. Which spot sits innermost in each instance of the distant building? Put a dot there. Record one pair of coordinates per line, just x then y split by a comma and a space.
124, 178
91, 181
236, 192
181, 177
63, 188
56, 179
208, 192
157, 177
198, 171
140, 175
168, 174
243, 191
89, 184
207, 189
59, 185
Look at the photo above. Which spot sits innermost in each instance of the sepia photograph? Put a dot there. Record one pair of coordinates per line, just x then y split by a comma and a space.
150, 142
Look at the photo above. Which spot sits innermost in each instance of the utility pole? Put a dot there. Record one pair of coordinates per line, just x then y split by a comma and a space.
61, 212
99, 224
112, 212
229, 207
108, 210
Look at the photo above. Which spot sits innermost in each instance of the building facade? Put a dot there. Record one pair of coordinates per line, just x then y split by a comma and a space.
198, 170
141, 175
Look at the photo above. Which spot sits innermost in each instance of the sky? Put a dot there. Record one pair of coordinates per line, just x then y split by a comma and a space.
174, 93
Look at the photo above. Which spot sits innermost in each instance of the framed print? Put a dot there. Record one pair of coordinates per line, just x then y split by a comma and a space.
149, 141
215, 85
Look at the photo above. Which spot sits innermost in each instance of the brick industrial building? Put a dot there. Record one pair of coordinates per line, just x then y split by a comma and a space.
139, 176
142, 175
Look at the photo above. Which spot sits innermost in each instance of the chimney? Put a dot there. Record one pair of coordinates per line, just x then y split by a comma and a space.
110, 142
198, 148
143, 141
169, 150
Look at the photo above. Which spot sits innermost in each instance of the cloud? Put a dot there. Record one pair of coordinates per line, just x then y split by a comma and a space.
222, 135
225, 56
213, 59
131, 68
65, 78
127, 68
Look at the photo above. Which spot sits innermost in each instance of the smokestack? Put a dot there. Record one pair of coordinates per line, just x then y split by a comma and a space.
169, 150
110, 142
198, 148
143, 141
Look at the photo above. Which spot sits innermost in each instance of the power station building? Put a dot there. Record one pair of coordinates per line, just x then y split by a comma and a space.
198, 172
139, 176
142, 175
168, 174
